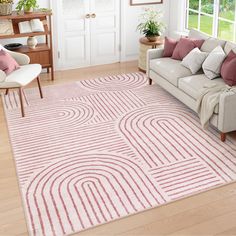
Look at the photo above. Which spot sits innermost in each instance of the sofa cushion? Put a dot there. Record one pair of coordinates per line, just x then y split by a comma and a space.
228, 69
213, 63
194, 60
195, 34
230, 46
169, 47
169, 69
192, 85
211, 43
185, 46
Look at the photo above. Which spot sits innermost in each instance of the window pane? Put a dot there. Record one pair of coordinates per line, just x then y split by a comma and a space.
206, 24
207, 6
226, 30
194, 4
227, 9
192, 20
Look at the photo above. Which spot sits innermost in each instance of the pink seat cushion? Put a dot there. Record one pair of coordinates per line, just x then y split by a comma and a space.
7, 62
169, 47
228, 69
185, 46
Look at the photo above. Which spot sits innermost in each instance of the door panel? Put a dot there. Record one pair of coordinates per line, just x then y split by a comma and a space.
104, 5
108, 22
75, 34
91, 40
106, 49
77, 51
105, 31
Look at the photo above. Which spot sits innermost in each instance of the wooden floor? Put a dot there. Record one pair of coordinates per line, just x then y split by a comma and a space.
209, 213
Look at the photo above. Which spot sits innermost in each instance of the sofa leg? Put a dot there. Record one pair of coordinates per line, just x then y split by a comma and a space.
7, 90
150, 81
223, 136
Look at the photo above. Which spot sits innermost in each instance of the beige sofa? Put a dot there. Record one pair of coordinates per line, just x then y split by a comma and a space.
180, 82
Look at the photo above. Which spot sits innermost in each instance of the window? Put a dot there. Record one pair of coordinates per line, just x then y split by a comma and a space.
214, 17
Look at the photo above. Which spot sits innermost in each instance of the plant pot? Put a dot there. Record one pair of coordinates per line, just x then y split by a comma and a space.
152, 38
5, 9
28, 10
32, 42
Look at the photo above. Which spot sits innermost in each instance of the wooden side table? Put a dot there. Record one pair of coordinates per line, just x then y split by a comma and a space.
144, 46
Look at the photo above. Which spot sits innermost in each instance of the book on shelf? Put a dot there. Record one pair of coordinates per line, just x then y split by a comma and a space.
6, 27
32, 26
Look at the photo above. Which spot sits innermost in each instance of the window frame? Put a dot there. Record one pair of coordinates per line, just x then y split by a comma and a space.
216, 18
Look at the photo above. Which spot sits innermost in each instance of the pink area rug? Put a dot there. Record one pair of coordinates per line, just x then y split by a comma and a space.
94, 151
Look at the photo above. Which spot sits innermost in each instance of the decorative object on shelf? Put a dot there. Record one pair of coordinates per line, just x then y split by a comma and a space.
27, 5
32, 42
34, 25
144, 2
13, 46
6, 7
6, 27
151, 25
145, 45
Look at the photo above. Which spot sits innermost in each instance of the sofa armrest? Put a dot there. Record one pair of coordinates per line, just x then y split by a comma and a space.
21, 59
2, 76
227, 112
153, 54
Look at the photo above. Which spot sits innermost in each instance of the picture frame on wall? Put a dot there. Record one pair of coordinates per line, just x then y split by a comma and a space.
144, 2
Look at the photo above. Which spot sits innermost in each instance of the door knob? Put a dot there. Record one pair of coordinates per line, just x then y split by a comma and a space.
87, 16
93, 15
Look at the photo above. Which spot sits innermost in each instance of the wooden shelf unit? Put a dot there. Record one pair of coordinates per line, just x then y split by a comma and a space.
43, 53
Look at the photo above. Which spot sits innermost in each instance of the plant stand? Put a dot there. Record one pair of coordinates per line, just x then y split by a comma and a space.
145, 45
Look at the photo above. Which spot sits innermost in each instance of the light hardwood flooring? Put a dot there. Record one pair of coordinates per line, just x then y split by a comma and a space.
208, 213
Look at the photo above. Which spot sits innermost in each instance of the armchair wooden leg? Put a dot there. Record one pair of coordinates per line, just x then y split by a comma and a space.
21, 102
150, 81
7, 90
40, 89
223, 136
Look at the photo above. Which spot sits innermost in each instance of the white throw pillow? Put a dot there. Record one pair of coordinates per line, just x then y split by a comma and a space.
213, 63
193, 61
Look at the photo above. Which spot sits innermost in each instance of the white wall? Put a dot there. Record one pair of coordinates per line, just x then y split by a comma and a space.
177, 17
129, 35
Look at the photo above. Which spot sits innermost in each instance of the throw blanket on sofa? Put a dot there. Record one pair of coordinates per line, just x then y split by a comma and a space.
208, 99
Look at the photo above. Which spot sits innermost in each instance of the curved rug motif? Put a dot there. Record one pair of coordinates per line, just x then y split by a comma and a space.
98, 150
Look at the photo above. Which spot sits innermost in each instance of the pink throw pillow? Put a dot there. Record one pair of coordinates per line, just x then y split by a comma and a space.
169, 47
185, 46
228, 69
7, 62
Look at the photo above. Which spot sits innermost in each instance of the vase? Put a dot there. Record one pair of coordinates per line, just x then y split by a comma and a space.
153, 38
5, 9
32, 42
28, 10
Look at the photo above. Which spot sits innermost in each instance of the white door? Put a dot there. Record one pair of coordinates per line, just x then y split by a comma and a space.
74, 33
105, 31
88, 32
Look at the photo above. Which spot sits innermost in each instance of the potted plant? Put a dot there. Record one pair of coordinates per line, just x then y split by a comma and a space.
151, 25
27, 5
6, 7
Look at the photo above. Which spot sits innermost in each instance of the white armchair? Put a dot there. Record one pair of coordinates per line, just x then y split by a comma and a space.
21, 77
